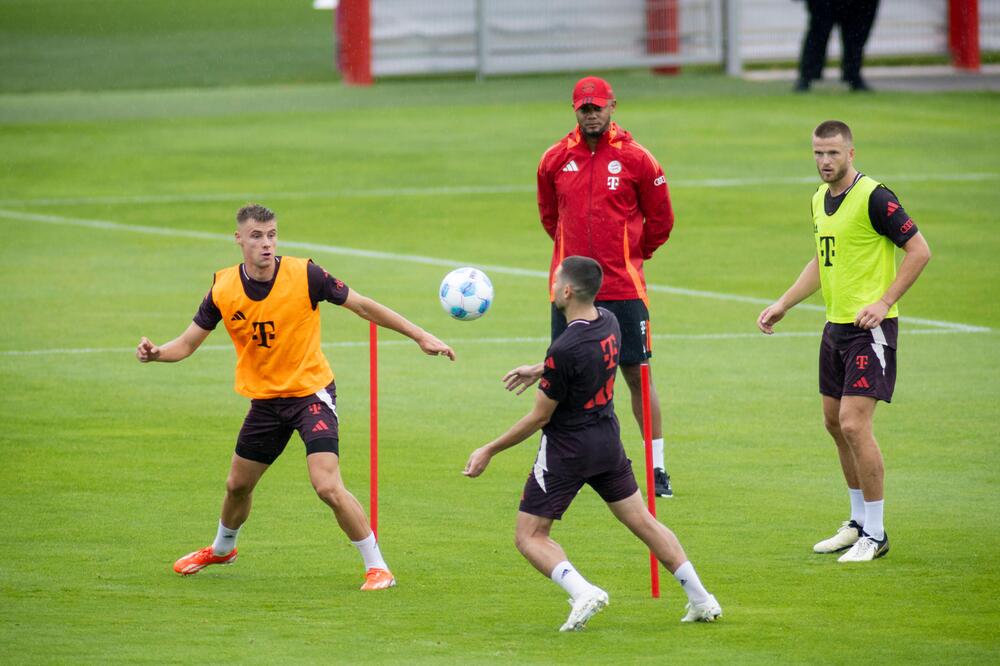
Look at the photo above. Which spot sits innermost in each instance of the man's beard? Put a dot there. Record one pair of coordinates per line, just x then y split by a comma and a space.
837, 175
595, 134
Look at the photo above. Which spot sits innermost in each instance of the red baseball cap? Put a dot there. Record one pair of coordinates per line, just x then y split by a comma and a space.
592, 90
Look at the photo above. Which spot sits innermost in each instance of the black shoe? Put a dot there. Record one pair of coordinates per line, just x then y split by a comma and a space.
859, 85
661, 483
802, 85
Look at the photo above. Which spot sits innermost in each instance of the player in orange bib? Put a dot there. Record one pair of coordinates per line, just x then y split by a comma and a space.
269, 306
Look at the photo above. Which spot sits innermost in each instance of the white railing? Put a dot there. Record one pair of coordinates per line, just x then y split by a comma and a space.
509, 36
494, 37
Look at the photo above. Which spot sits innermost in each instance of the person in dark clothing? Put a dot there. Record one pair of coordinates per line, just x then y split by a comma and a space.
855, 18
581, 445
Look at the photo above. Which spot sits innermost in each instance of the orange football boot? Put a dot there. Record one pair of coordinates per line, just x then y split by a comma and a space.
194, 562
378, 579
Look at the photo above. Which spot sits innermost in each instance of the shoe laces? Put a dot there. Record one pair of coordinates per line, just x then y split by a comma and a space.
866, 543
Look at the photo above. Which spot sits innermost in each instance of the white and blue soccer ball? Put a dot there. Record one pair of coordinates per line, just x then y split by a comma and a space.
466, 293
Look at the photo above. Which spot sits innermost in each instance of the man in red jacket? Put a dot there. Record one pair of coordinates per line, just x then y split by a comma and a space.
604, 196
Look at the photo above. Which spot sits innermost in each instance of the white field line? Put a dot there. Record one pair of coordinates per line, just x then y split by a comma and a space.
418, 259
460, 342
378, 192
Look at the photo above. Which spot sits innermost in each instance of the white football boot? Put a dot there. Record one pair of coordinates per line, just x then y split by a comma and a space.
586, 606
706, 611
847, 535
866, 549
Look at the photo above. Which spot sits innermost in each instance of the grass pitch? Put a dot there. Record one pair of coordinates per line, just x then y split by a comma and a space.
116, 208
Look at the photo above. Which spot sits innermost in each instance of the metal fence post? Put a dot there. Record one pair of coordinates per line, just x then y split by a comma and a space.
731, 20
482, 45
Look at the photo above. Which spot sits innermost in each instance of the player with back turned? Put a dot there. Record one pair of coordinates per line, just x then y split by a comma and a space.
857, 224
270, 307
581, 444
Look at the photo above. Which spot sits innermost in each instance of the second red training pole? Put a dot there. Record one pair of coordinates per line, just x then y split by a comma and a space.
647, 435
373, 424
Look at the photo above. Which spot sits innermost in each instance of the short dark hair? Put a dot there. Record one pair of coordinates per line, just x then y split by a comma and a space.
254, 211
584, 274
831, 128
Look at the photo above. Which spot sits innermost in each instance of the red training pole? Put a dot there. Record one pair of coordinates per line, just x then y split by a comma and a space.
353, 20
647, 435
963, 33
373, 424
662, 31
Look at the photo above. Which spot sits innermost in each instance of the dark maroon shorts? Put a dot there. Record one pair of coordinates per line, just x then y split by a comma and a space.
269, 424
548, 494
633, 320
855, 361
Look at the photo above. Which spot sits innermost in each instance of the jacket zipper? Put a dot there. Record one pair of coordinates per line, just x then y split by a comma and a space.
590, 206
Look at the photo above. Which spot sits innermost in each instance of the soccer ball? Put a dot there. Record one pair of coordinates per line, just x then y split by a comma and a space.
466, 293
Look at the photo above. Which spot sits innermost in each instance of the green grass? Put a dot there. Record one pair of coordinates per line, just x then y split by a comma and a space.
126, 44
111, 470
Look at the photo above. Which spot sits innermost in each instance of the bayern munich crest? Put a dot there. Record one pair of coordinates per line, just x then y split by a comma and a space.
614, 166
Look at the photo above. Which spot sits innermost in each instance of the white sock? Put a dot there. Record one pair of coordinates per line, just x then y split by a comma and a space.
857, 505
658, 453
689, 580
873, 520
370, 552
566, 575
225, 540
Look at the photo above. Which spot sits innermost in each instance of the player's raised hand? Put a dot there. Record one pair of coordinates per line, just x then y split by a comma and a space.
434, 347
146, 351
771, 315
477, 463
521, 377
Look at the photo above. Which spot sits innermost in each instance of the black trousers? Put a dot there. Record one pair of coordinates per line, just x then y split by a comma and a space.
855, 18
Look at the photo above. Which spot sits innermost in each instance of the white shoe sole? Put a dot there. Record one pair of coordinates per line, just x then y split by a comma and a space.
710, 616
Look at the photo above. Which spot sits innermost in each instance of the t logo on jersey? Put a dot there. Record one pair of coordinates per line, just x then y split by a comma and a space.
263, 334
827, 250
613, 182
609, 346
861, 362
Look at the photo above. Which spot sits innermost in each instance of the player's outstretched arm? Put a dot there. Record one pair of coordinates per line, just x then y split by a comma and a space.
523, 376
529, 424
804, 286
373, 311
177, 349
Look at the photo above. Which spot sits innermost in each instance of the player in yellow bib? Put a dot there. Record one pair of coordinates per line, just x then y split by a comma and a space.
270, 307
857, 224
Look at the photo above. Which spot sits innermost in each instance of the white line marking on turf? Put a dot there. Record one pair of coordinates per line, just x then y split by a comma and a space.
458, 342
419, 259
203, 197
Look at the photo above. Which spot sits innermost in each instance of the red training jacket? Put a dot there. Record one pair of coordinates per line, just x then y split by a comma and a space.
612, 205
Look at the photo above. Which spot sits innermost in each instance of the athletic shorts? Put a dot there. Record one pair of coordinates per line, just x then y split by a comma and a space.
269, 424
855, 361
548, 495
633, 319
